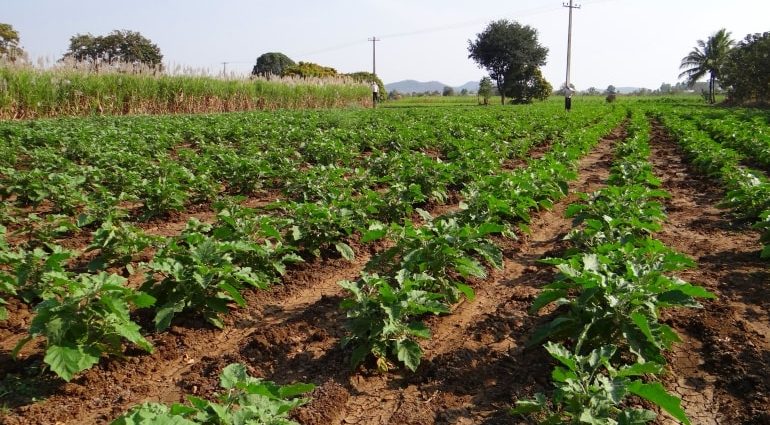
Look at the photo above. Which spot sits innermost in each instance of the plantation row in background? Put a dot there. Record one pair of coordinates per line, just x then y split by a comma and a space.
118, 233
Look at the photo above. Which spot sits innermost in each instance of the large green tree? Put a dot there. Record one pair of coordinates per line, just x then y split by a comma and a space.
272, 63
746, 74
9, 43
707, 57
118, 46
511, 54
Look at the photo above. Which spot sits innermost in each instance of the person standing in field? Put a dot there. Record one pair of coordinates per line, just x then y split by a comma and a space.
375, 94
569, 90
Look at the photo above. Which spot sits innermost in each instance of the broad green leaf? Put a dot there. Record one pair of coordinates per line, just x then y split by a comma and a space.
466, 290
232, 374
143, 300
130, 331
345, 250
293, 390
67, 361
641, 322
655, 393
409, 353
560, 353
375, 232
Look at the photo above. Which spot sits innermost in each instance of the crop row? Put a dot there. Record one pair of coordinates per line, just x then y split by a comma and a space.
83, 309
612, 283
427, 268
748, 135
748, 191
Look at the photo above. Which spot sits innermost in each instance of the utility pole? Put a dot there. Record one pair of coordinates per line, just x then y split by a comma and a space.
224, 69
568, 90
374, 40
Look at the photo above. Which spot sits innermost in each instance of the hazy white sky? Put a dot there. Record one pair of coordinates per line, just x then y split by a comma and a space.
620, 42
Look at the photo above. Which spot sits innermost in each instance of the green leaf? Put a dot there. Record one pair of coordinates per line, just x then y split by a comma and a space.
143, 300
345, 250
641, 322
376, 231
232, 374
655, 393
293, 390
489, 228
409, 353
546, 297
560, 353
67, 361
130, 331
469, 267
636, 417
466, 290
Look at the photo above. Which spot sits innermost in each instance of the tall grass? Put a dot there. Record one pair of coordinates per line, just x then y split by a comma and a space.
30, 92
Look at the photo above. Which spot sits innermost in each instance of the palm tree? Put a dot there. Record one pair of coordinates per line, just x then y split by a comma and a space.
707, 58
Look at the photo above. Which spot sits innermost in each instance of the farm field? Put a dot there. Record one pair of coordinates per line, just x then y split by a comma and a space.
394, 260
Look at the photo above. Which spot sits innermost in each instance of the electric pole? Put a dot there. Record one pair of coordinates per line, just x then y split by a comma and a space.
224, 69
567, 89
374, 40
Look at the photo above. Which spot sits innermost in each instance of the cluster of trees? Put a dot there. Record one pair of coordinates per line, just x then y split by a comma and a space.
742, 69
512, 55
119, 46
278, 64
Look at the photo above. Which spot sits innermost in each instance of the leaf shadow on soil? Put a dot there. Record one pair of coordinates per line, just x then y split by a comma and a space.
23, 382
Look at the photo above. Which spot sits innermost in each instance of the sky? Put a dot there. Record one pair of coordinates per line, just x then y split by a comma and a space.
626, 43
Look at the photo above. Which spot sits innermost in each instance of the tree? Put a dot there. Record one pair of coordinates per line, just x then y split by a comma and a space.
309, 70
448, 91
592, 91
116, 47
707, 57
464, 92
746, 73
9, 43
272, 63
485, 89
530, 87
510, 53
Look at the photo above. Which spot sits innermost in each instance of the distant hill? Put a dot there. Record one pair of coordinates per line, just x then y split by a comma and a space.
414, 86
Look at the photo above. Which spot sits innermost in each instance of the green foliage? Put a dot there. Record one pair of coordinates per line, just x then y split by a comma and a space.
118, 46
708, 57
590, 390
272, 63
746, 73
117, 244
246, 400
196, 271
309, 70
485, 89
614, 295
381, 316
511, 54
527, 86
83, 317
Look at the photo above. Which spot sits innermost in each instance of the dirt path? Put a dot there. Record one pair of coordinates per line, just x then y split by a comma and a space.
721, 368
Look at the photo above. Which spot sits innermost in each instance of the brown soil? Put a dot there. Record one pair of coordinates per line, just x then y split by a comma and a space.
720, 370
475, 366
